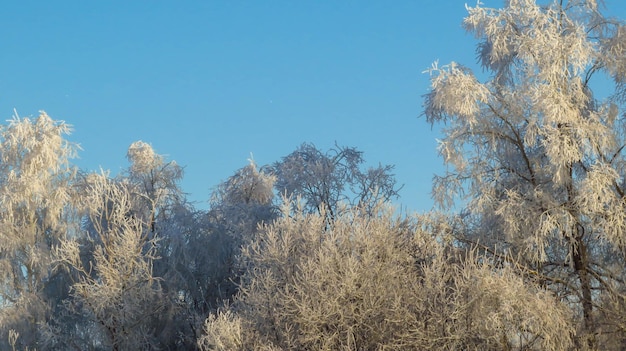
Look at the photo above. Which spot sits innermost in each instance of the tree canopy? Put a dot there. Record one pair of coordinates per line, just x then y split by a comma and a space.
537, 156
526, 250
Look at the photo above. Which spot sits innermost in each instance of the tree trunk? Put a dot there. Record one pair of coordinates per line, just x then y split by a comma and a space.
581, 264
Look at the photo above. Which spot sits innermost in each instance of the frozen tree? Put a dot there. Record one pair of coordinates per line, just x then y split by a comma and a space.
180, 233
36, 211
376, 282
188, 256
244, 200
238, 206
114, 288
120, 297
536, 157
154, 181
325, 181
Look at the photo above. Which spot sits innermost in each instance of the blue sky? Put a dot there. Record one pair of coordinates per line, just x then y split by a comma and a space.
209, 82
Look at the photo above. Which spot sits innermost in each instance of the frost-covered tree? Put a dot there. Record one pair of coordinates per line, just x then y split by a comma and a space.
179, 231
378, 282
243, 201
536, 157
326, 180
238, 206
115, 290
187, 257
154, 182
119, 297
36, 211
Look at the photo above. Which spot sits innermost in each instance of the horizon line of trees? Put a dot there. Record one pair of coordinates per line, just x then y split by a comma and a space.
307, 254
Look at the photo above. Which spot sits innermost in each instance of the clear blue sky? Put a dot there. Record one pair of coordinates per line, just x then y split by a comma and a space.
209, 82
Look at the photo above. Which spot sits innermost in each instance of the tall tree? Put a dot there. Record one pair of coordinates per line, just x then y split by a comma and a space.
171, 225
537, 158
115, 288
239, 205
129, 244
37, 210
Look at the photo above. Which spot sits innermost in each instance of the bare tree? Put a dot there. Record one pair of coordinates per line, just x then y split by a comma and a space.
326, 180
